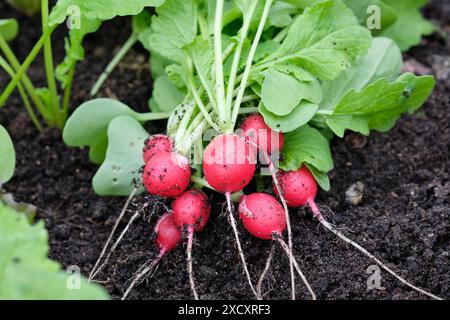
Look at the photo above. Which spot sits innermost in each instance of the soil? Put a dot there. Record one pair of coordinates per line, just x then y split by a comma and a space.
403, 217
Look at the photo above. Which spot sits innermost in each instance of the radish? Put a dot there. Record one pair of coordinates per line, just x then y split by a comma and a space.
167, 174
229, 164
299, 188
270, 143
264, 217
191, 211
255, 129
155, 144
168, 236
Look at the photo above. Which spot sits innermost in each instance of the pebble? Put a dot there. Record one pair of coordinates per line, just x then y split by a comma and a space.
355, 194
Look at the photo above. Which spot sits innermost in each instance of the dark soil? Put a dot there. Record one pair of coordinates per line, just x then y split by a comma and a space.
403, 219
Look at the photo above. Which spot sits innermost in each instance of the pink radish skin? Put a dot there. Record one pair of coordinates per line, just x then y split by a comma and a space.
155, 144
262, 215
167, 174
168, 236
299, 187
229, 163
191, 209
256, 130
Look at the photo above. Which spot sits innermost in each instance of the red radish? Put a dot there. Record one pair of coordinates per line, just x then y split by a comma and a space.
256, 130
155, 144
167, 174
191, 211
229, 163
270, 143
300, 188
168, 236
264, 217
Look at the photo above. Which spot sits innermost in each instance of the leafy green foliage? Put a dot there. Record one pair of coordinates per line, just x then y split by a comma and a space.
410, 26
26, 273
379, 105
174, 27
9, 28
306, 145
89, 123
324, 40
8, 158
100, 9
120, 171
166, 96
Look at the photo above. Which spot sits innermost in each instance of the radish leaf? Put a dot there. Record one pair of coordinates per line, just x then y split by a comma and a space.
8, 156
120, 170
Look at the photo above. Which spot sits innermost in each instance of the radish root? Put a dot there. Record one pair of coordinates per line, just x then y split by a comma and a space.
189, 262
297, 267
318, 215
265, 271
238, 242
273, 172
119, 219
142, 271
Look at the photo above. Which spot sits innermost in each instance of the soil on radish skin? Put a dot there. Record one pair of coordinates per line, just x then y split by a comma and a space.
403, 218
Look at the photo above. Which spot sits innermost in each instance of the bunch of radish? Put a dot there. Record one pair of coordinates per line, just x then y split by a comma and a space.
228, 163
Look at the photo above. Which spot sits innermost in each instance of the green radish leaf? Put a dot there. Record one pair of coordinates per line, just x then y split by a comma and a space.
8, 156
280, 15
322, 178
410, 26
121, 169
300, 116
201, 53
9, 29
282, 92
89, 123
360, 7
379, 105
26, 273
306, 145
325, 40
174, 26
166, 95
382, 61
99, 9
265, 49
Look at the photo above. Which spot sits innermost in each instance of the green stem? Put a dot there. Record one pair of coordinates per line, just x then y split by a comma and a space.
114, 62
218, 63
248, 110
9, 54
199, 102
249, 63
203, 26
281, 35
4, 64
49, 67
68, 92
151, 116
26, 64
237, 58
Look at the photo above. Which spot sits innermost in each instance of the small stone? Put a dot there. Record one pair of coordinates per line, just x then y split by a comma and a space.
355, 194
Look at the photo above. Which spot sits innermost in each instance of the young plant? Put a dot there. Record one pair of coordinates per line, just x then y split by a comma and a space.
83, 19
